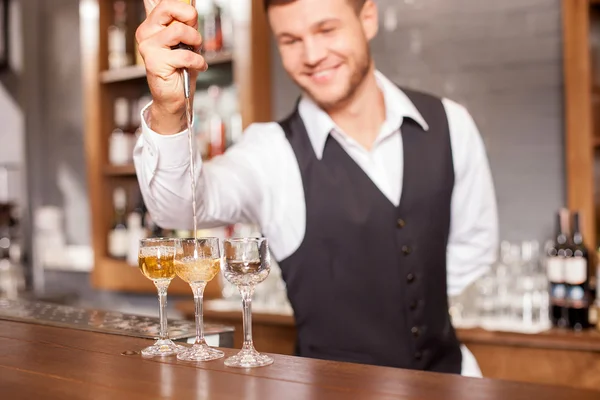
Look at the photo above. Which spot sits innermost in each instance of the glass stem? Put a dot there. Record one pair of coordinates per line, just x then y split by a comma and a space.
198, 288
162, 312
247, 292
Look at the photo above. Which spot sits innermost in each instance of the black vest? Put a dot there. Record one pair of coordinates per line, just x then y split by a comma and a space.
368, 282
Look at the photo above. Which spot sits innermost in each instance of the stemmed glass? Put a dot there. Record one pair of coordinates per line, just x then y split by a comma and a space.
246, 263
156, 259
197, 262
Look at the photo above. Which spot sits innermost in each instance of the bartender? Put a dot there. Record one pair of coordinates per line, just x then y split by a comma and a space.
377, 201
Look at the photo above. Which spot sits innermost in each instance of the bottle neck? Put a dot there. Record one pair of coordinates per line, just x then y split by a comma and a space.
563, 227
577, 236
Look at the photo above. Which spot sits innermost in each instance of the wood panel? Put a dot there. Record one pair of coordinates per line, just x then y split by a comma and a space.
558, 367
271, 333
56, 363
252, 64
553, 339
579, 159
94, 117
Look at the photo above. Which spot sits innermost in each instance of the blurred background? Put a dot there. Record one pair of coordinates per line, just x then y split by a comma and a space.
72, 86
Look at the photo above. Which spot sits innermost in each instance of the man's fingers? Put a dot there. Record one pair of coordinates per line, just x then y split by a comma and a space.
176, 60
186, 59
168, 11
172, 36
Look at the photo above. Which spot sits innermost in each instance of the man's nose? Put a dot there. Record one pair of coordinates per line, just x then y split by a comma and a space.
314, 51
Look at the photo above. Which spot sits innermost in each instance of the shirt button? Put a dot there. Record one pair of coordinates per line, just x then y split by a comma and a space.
406, 250
410, 278
401, 223
415, 331
418, 355
413, 304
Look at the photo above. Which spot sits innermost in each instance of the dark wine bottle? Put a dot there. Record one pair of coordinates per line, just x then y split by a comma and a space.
555, 269
577, 280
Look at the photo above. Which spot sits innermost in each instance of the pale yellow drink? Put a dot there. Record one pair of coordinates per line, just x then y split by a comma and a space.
197, 270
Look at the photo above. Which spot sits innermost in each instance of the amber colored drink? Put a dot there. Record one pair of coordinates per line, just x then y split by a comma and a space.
158, 267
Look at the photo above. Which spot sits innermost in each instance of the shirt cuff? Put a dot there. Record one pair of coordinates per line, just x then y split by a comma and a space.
165, 151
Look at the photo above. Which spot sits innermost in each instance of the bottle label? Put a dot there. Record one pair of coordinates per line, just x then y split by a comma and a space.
555, 269
557, 294
576, 297
575, 270
118, 243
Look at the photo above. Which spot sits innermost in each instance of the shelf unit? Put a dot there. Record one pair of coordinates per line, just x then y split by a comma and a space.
249, 65
581, 23
134, 72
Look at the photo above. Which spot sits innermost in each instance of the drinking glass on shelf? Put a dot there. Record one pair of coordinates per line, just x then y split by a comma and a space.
246, 263
156, 259
197, 262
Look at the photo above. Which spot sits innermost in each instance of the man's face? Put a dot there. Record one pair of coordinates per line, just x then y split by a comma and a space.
324, 46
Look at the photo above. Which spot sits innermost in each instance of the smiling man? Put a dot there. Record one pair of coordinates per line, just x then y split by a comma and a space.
377, 201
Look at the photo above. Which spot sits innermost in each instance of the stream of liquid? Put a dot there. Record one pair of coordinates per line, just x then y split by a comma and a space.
189, 115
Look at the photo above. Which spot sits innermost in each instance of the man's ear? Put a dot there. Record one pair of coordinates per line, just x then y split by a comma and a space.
369, 19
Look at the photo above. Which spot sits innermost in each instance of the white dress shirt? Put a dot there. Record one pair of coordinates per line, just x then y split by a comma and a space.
258, 181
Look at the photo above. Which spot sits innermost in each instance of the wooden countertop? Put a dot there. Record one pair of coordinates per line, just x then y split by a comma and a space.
58, 363
563, 339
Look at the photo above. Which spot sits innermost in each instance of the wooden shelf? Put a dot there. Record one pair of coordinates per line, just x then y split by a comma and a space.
246, 66
138, 71
119, 170
117, 275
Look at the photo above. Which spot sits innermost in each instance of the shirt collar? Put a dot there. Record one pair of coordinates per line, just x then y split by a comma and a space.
397, 107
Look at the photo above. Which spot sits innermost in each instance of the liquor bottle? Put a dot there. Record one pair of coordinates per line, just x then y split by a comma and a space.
118, 240
212, 34
118, 55
227, 27
216, 126
557, 253
120, 148
577, 280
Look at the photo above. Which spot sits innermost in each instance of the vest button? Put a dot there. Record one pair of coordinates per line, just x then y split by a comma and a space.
415, 331
406, 250
410, 278
418, 355
401, 223
413, 304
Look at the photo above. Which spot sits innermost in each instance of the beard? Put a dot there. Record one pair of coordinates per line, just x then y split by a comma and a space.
357, 77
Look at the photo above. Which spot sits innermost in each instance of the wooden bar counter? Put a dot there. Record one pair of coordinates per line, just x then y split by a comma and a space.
44, 362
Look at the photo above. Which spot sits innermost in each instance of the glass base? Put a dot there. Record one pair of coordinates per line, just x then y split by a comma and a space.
161, 348
200, 352
249, 358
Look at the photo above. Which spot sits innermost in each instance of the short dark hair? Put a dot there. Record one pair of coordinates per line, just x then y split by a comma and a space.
357, 4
